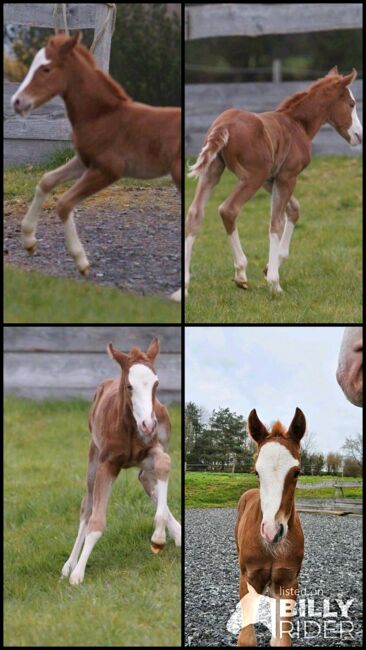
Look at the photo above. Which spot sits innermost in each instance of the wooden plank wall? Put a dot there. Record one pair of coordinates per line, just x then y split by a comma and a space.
204, 102
69, 362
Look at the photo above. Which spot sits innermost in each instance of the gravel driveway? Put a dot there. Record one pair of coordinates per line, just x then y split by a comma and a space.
132, 236
332, 564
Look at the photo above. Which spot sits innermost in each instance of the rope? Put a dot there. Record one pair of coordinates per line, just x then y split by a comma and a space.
112, 13
58, 9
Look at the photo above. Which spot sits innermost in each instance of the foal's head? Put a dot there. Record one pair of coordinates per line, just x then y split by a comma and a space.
47, 76
277, 466
342, 113
139, 384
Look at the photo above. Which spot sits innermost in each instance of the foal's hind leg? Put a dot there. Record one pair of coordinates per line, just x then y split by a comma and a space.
91, 182
195, 215
72, 169
229, 211
85, 512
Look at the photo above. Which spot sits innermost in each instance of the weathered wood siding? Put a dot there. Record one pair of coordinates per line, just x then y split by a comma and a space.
204, 102
241, 19
47, 129
65, 362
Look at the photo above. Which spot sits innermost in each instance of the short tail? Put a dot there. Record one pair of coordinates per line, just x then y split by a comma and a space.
215, 141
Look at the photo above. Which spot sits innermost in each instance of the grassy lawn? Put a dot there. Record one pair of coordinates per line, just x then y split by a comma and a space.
214, 490
322, 277
129, 597
31, 297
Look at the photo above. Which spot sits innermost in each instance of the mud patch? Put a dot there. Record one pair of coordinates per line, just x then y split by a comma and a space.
132, 237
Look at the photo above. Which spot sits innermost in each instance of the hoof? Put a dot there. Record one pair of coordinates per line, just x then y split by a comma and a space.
176, 296
242, 284
31, 249
156, 548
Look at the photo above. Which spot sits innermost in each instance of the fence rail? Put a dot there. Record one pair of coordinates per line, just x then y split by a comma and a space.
65, 362
204, 102
235, 19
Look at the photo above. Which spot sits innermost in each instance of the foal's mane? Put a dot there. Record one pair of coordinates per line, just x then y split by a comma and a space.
297, 98
113, 86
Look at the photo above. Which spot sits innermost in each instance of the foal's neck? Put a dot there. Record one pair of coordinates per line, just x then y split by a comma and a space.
309, 115
88, 96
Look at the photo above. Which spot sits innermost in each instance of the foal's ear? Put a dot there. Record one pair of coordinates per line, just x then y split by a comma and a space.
349, 78
70, 44
153, 349
333, 71
116, 355
256, 429
297, 427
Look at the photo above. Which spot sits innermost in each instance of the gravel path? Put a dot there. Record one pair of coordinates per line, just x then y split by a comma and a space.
332, 563
132, 236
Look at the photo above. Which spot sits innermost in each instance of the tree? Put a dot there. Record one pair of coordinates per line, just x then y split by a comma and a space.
353, 448
334, 463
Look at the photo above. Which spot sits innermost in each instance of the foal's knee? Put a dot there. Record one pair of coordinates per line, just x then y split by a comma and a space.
228, 215
62, 209
193, 221
162, 465
293, 210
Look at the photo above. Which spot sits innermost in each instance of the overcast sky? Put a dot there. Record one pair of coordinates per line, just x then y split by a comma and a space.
272, 369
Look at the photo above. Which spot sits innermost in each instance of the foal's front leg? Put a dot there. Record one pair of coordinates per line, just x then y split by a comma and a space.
72, 169
281, 193
91, 182
158, 463
105, 477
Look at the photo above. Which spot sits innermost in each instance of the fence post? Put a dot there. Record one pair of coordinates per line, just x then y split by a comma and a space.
276, 71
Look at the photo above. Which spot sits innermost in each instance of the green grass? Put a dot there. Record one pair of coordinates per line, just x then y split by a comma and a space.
219, 489
129, 597
322, 277
31, 297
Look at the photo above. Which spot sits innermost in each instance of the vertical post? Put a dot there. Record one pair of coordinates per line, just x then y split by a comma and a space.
276, 71
103, 46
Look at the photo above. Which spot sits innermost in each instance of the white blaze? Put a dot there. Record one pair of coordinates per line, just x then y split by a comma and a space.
142, 380
273, 463
356, 126
39, 60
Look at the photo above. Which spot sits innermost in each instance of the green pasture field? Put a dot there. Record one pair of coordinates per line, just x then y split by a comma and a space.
31, 297
129, 597
223, 490
322, 277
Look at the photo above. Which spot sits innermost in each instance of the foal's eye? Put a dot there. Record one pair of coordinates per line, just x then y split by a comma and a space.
296, 473
256, 473
129, 387
46, 69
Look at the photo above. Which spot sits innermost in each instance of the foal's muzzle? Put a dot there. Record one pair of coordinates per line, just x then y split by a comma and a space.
22, 105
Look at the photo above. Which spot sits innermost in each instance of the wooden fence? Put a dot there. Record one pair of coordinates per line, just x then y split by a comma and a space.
64, 362
203, 102
47, 128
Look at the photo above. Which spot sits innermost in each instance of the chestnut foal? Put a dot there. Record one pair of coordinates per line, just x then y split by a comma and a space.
129, 428
113, 135
268, 150
268, 531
